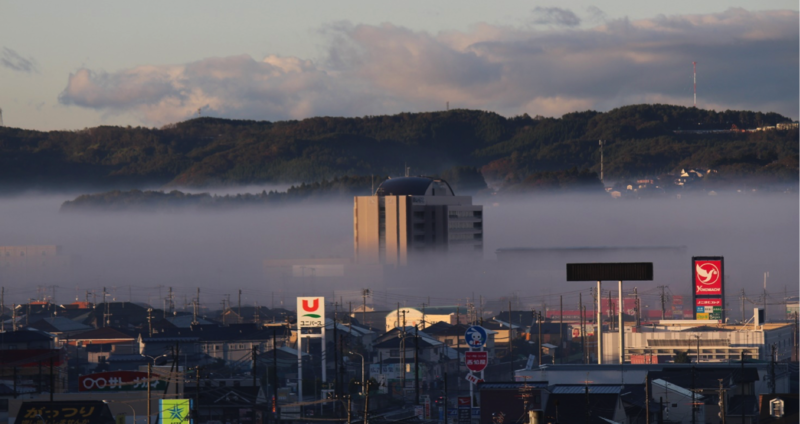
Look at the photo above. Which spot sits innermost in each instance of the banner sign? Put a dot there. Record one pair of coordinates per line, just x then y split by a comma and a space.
73, 411
707, 277
118, 381
310, 312
708, 308
175, 411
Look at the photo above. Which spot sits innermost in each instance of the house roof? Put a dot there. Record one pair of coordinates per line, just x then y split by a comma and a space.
105, 333
706, 377
24, 336
206, 333
574, 408
58, 325
410, 342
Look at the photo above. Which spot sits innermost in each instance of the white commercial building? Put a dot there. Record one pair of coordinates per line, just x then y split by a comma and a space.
717, 342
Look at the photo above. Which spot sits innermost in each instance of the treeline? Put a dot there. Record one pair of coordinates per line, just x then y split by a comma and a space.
118, 200
640, 141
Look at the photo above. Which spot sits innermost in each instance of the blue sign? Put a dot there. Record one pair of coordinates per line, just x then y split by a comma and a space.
476, 412
452, 412
475, 336
701, 309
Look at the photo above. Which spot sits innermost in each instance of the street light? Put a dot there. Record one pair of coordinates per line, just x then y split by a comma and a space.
403, 338
362, 369
122, 403
149, 377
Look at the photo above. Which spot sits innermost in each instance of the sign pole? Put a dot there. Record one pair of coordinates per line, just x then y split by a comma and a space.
621, 326
599, 330
300, 366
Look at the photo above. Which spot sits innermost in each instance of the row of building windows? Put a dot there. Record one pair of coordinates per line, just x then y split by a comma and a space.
465, 236
464, 225
465, 214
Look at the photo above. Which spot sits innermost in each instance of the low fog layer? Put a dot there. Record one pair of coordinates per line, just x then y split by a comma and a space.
222, 251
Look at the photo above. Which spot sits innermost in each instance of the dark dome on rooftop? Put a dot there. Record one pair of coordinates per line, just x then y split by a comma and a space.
414, 186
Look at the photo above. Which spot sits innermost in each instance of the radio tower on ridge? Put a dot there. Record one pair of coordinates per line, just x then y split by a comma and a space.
1, 117
694, 77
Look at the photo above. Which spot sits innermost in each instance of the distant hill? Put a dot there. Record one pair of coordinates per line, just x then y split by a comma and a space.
641, 140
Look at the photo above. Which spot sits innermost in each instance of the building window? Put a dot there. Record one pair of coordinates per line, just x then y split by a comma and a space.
394, 353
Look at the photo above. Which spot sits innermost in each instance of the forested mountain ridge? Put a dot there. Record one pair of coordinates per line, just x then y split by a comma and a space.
640, 141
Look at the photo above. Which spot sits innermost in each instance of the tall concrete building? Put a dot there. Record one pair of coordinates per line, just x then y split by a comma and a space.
409, 215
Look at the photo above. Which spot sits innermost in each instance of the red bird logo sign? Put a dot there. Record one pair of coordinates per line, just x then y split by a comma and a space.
708, 277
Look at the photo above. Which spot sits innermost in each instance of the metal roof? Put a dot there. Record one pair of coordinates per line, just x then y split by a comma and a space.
408, 186
580, 389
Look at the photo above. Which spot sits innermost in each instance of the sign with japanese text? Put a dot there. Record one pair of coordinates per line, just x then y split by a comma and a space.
118, 381
707, 277
472, 378
310, 312
476, 361
708, 308
175, 411
64, 412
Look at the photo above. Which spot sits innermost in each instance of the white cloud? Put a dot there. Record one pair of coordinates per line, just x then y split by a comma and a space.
745, 60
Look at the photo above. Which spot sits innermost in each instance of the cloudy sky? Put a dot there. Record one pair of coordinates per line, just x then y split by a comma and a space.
72, 65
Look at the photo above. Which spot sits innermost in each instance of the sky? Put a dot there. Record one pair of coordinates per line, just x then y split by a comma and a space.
80, 64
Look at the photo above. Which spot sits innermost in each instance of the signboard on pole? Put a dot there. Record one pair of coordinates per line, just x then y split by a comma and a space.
475, 336
476, 361
175, 411
464, 410
311, 312
118, 381
707, 277
708, 287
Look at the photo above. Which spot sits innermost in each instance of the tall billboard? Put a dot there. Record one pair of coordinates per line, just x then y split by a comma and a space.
310, 312
708, 287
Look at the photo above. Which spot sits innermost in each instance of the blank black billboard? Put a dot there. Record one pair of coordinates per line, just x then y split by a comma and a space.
624, 271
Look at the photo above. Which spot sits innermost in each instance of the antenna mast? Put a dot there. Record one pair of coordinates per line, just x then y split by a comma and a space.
1, 117
694, 77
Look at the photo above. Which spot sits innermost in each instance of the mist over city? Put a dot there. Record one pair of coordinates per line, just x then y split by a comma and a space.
418, 212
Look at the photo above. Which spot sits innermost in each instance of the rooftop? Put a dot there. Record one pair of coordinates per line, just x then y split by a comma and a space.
414, 186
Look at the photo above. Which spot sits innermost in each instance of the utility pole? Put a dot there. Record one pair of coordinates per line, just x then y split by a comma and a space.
364, 294
694, 406
416, 366
647, 398
742, 298
255, 374
795, 352
2, 309
105, 307
721, 402
583, 331
772, 369
663, 304
766, 274
240, 306
539, 319
366, 401
560, 327
510, 337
